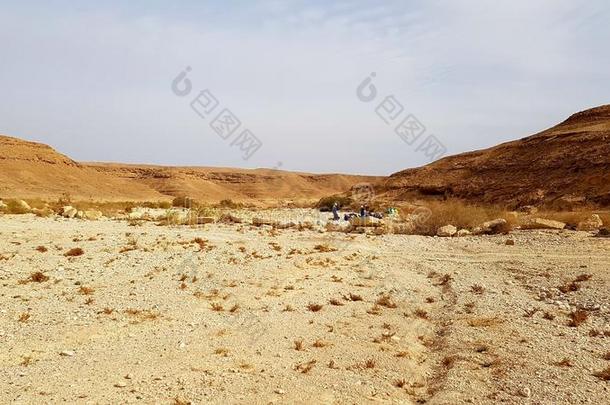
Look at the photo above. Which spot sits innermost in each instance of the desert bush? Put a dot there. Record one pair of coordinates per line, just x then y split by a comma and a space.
228, 203
456, 213
182, 201
326, 203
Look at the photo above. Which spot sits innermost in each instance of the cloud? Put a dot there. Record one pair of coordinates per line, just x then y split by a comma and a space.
95, 82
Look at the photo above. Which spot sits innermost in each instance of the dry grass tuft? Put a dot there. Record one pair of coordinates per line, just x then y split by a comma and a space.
41, 249
299, 345
24, 317
477, 289
320, 343
216, 307
314, 307
386, 301
306, 367
36, 277
449, 361
74, 252
577, 318
84, 290
401, 383
222, 351
336, 302
180, 401
420, 313
485, 321
324, 248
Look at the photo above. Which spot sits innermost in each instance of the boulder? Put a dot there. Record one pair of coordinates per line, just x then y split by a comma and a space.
399, 228
365, 221
343, 226
463, 232
69, 212
447, 230
23, 205
493, 226
541, 223
43, 212
591, 224
256, 221
93, 215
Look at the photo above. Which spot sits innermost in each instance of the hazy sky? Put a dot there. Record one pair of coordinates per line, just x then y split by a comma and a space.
94, 79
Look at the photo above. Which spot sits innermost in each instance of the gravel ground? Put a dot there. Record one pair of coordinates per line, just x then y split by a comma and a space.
238, 314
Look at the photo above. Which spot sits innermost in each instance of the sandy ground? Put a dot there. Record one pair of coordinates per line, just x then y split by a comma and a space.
252, 315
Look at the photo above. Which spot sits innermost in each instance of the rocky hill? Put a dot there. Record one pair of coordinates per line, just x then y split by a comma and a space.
566, 165
34, 170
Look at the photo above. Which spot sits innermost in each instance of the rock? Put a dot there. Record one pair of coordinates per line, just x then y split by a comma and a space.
80, 214
447, 230
365, 221
279, 391
93, 215
463, 232
205, 220
509, 242
256, 221
541, 223
120, 384
525, 392
67, 353
43, 212
229, 219
591, 224
494, 226
69, 212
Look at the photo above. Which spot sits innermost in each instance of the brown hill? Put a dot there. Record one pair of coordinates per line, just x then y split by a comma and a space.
34, 170
566, 164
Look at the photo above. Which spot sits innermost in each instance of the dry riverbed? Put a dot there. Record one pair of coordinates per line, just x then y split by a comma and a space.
104, 312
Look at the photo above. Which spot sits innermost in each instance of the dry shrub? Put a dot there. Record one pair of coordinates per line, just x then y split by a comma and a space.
335, 301
84, 290
577, 318
324, 248
449, 361
477, 289
320, 343
386, 301
222, 351
298, 345
234, 308
583, 277
74, 252
143, 314
401, 383
458, 214
24, 317
305, 367
180, 401
314, 307
216, 306
37, 277
41, 249
420, 313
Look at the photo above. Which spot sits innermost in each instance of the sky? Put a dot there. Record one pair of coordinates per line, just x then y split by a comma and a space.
100, 81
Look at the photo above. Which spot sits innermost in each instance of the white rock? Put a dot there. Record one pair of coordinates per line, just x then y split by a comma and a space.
463, 232
67, 353
447, 230
541, 223
93, 215
69, 212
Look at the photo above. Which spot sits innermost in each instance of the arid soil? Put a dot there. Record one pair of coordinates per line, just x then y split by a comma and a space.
105, 312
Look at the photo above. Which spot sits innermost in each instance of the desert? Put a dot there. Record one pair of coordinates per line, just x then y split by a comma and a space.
305, 202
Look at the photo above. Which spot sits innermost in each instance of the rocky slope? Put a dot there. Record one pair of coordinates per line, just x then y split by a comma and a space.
564, 165
34, 170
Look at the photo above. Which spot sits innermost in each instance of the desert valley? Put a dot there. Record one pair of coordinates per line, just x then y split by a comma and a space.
484, 280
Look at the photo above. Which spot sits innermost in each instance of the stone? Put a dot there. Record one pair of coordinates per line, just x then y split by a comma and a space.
541, 223
80, 214
69, 212
463, 232
593, 223
493, 226
93, 215
67, 353
446, 231
509, 242
365, 221
256, 221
